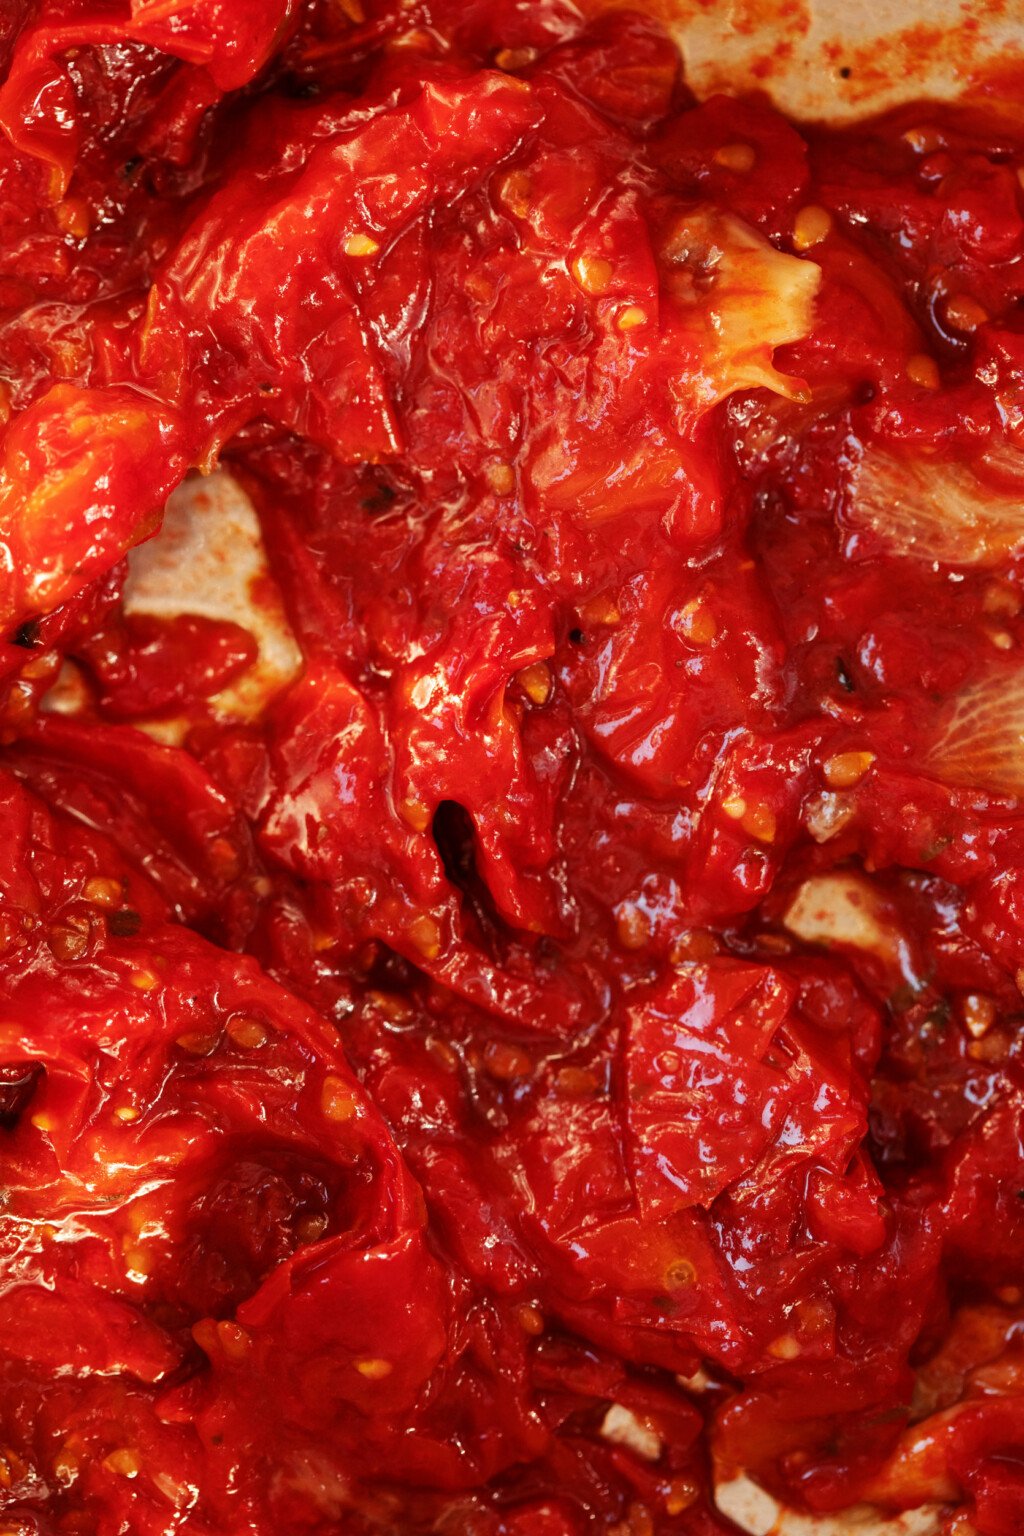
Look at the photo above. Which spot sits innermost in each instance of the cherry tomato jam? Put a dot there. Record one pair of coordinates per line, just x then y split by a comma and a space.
512, 902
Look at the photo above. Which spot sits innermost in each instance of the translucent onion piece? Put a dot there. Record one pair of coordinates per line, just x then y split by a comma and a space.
1003, 463
980, 742
928, 510
756, 1512
746, 298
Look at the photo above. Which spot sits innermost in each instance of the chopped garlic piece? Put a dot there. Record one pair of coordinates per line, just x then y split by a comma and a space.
839, 909
699, 1382
622, 1427
845, 909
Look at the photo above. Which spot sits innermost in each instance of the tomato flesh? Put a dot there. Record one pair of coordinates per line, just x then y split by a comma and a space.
562, 1047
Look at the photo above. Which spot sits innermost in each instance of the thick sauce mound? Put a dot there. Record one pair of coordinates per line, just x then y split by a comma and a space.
536, 1049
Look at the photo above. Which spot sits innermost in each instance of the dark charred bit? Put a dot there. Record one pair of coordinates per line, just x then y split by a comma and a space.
381, 497
453, 834
455, 839
123, 924
18, 1081
576, 636
27, 635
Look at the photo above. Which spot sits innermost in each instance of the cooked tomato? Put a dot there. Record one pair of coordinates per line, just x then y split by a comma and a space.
511, 930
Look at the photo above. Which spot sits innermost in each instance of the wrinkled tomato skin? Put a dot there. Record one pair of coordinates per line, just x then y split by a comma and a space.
409, 1081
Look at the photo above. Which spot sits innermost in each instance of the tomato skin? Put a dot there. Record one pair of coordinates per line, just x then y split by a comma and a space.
998, 1488
147, 664
561, 1046
132, 1087
690, 149
53, 456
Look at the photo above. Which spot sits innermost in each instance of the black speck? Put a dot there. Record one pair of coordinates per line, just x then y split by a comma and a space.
131, 165
577, 636
938, 1020
26, 635
845, 72
380, 498
124, 924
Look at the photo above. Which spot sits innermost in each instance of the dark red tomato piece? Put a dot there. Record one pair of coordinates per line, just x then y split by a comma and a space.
742, 154
216, 1139
152, 665
709, 1062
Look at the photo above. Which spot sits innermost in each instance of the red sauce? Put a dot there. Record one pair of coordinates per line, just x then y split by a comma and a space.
590, 994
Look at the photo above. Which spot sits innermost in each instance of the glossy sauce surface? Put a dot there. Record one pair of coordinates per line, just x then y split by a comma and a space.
563, 1049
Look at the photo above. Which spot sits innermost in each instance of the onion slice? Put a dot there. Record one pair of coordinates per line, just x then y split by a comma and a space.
744, 297
980, 741
926, 509
754, 1510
